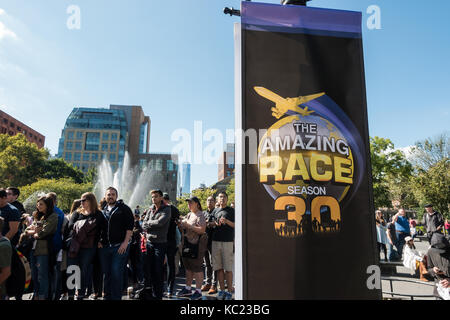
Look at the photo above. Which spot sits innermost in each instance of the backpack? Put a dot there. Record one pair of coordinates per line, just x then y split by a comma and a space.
20, 277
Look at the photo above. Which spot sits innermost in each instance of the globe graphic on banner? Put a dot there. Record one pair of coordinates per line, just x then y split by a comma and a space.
309, 161
284, 133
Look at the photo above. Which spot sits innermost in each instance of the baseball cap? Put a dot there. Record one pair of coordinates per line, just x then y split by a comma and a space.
195, 199
428, 205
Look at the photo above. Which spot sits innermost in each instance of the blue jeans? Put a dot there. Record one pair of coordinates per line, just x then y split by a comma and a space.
401, 242
392, 253
154, 268
113, 267
39, 274
84, 260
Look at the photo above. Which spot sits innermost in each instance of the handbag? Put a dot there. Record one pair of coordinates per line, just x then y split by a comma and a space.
189, 250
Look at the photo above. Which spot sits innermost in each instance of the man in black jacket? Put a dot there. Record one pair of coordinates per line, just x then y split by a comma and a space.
115, 243
433, 220
156, 226
438, 260
171, 244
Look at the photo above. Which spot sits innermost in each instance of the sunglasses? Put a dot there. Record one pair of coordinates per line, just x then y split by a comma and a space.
83, 200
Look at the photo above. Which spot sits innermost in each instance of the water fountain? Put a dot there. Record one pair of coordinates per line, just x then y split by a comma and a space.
132, 184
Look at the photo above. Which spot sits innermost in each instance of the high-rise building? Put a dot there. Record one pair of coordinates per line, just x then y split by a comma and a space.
93, 134
10, 125
185, 179
226, 162
164, 172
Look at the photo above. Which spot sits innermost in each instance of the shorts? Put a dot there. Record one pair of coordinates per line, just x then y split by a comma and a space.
196, 265
222, 255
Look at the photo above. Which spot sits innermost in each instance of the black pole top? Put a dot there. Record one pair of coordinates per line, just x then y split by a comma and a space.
295, 2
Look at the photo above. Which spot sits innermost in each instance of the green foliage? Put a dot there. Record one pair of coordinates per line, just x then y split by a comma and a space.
433, 186
431, 181
21, 161
389, 169
231, 191
66, 189
90, 176
202, 194
431, 151
55, 169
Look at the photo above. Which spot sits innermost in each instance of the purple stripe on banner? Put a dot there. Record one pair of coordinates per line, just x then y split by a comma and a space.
275, 15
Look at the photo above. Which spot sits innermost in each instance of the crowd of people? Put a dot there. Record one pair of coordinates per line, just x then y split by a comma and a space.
396, 240
98, 249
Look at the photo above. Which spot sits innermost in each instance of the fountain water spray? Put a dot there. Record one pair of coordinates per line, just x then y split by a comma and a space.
132, 184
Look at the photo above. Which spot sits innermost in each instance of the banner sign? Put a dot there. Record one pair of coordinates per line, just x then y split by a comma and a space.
308, 228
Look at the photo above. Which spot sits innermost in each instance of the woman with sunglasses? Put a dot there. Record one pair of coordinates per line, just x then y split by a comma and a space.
85, 225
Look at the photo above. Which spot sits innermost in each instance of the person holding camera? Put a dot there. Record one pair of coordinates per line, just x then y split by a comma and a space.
194, 246
223, 246
41, 231
438, 264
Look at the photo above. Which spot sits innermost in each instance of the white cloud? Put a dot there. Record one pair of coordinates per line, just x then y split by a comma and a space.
2, 11
5, 32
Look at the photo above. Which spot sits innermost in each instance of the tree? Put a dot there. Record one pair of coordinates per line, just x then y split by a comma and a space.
231, 191
389, 168
201, 193
66, 189
431, 182
58, 168
21, 161
429, 152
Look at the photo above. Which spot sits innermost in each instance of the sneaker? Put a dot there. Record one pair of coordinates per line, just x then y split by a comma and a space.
196, 296
228, 296
206, 287
221, 295
184, 293
93, 297
168, 294
213, 290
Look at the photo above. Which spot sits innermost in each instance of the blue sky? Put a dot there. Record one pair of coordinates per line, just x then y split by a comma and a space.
176, 60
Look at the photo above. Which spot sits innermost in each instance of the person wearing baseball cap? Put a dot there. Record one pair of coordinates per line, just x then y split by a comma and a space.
433, 221
194, 247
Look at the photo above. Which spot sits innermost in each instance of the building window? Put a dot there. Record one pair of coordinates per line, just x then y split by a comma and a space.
69, 145
78, 146
169, 165
79, 135
142, 163
105, 136
112, 157
69, 135
158, 166
113, 147
94, 157
85, 156
68, 156
77, 156
104, 147
92, 141
113, 136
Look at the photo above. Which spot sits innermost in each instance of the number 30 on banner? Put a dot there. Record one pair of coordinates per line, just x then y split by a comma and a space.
286, 203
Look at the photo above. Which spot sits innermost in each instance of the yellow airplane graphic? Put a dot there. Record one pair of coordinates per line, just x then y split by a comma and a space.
283, 105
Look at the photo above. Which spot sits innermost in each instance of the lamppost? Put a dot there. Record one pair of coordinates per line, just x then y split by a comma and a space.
235, 12
296, 2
